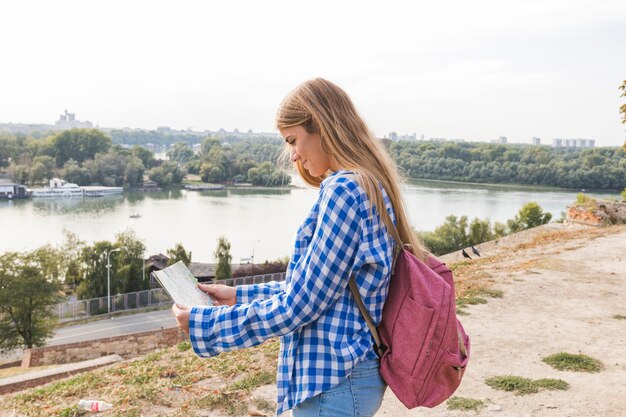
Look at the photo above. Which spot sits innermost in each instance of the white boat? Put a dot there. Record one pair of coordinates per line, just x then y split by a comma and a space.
97, 191
62, 188
58, 188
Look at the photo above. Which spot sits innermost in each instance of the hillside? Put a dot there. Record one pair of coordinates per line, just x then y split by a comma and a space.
549, 290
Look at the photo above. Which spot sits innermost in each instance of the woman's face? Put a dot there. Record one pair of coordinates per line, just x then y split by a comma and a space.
307, 148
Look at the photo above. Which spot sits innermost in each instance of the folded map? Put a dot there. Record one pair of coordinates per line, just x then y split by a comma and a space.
178, 281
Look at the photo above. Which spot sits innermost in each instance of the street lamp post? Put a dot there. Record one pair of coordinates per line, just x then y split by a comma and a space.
252, 257
109, 279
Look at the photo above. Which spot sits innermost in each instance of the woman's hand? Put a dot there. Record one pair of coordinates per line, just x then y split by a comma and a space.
222, 295
181, 314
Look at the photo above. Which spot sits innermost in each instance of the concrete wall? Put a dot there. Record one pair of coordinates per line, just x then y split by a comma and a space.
126, 346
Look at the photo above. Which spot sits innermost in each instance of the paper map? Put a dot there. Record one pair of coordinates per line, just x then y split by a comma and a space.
181, 285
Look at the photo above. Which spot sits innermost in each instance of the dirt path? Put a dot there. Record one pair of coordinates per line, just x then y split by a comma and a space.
558, 297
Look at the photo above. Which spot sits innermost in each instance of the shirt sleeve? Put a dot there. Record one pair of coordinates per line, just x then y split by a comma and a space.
247, 293
317, 281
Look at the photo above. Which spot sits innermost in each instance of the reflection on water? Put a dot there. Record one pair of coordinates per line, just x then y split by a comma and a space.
96, 205
268, 217
153, 195
259, 191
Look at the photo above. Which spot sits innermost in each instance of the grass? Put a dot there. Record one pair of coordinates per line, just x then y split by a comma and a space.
173, 379
474, 296
619, 317
464, 404
570, 362
524, 386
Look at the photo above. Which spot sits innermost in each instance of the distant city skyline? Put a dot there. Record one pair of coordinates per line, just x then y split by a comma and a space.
473, 70
68, 120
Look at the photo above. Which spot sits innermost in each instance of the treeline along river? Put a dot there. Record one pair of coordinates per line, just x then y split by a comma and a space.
263, 221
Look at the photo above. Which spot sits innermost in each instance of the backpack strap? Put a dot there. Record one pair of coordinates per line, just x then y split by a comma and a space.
378, 347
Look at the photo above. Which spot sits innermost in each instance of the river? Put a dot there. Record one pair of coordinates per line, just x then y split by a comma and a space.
256, 222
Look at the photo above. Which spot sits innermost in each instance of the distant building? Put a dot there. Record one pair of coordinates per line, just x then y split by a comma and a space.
393, 136
573, 143
68, 121
536, 141
501, 139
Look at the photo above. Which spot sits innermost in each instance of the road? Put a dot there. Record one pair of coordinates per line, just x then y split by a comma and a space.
115, 326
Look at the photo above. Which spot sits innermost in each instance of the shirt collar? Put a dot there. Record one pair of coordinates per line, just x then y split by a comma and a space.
334, 174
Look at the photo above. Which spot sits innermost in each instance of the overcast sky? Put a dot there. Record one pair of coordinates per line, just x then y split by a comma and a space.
456, 69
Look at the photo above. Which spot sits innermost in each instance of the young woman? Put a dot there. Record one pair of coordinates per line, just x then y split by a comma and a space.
327, 364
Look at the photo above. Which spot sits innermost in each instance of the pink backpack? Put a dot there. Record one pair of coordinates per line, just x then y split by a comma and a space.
422, 346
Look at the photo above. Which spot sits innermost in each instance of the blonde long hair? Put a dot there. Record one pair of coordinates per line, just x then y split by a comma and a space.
320, 106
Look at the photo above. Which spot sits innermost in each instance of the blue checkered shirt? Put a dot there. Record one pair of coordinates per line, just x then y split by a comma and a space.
322, 333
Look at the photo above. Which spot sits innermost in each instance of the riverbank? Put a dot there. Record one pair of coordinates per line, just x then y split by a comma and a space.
552, 289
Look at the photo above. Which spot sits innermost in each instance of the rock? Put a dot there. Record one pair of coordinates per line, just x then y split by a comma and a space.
494, 407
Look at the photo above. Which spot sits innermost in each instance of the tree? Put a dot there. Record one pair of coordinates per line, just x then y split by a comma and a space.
450, 236
94, 260
73, 173
126, 267
79, 145
26, 301
169, 173
223, 258
530, 215
146, 156
19, 173
181, 153
133, 175
42, 169
178, 253
7, 149
622, 109
70, 256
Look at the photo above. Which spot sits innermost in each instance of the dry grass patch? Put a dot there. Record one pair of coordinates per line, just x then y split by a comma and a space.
570, 362
524, 386
169, 380
464, 404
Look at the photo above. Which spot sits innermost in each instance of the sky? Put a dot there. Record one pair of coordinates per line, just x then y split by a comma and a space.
474, 70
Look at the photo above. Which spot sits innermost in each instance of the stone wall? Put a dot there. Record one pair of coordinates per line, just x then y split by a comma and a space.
126, 346
604, 213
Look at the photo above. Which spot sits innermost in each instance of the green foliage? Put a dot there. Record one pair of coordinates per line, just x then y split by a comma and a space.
223, 258
183, 346
570, 362
70, 258
145, 155
79, 145
180, 152
126, 267
624, 195
529, 216
8, 144
27, 296
464, 404
267, 175
156, 137
169, 173
455, 233
586, 201
597, 168
622, 108
178, 253
524, 386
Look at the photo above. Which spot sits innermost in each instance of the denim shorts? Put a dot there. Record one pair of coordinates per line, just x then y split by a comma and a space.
360, 395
